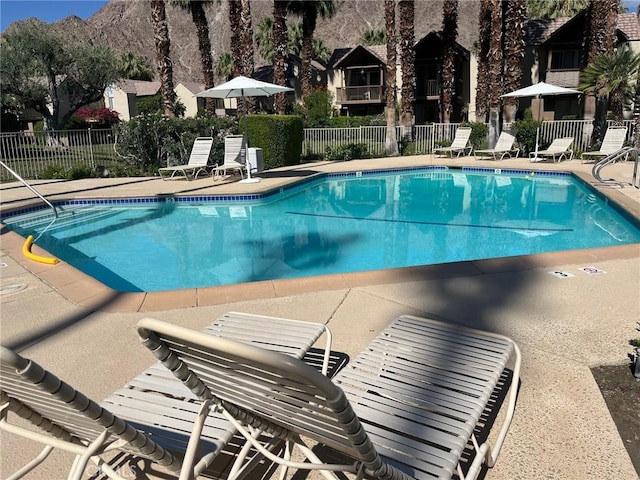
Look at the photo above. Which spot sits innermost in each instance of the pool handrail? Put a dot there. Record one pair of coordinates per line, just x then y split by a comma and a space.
26, 184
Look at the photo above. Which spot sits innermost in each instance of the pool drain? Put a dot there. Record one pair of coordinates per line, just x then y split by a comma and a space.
14, 288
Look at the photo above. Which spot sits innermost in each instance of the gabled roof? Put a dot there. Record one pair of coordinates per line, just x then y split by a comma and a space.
539, 31
437, 36
138, 87
378, 52
629, 26
193, 87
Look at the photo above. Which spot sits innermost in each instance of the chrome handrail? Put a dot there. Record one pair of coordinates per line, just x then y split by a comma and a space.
610, 160
35, 192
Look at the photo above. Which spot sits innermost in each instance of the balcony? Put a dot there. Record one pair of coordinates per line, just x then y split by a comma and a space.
563, 78
363, 94
427, 88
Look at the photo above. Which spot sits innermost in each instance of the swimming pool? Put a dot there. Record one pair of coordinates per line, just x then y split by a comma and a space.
342, 223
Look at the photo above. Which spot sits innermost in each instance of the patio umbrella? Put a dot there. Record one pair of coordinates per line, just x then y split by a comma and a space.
538, 91
244, 87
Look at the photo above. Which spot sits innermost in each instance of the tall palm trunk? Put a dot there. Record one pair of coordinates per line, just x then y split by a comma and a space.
484, 34
280, 57
514, 23
495, 71
309, 20
163, 60
390, 141
204, 46
600, 38
407, 60
246, 29
448, 68
235, 21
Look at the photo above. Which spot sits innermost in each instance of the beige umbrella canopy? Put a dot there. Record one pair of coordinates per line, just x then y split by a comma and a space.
244, 87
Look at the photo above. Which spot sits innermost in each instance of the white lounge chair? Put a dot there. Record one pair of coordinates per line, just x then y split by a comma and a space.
613, 141
154, 416
235, 158
504, 148
560, 149
406, 407
198, 161
460, 144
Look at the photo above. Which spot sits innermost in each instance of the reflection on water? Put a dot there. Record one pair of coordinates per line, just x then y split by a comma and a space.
340, 225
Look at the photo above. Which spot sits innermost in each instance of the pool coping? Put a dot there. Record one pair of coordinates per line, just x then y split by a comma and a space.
83, 290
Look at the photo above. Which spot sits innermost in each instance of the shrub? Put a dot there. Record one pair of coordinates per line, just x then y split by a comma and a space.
279, 137
347, 151
80, 171
150, 141
479, 132
526, 131
53, 172
316, 109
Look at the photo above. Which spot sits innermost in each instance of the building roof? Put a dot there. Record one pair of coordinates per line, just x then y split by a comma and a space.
193, 87
377, 51
138, 87
629, 25
539, 31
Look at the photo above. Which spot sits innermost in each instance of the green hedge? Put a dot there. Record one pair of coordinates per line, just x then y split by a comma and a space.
279, 136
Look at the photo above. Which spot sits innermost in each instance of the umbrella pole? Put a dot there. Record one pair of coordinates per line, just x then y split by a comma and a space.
249, 178
535, 155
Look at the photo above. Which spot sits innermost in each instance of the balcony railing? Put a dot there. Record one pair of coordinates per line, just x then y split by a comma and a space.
363, 94
427, 88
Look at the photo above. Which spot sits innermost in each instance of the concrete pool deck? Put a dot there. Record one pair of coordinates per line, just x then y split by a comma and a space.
562, 429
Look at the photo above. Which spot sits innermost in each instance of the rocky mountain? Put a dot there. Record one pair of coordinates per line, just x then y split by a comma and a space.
125, 26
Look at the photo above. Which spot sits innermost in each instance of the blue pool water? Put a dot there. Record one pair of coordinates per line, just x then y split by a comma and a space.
333, 225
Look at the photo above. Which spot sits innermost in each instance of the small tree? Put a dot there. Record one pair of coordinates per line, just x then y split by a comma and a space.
316, 109
40, 71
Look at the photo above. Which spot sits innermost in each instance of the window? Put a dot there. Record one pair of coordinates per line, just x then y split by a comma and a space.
565, 60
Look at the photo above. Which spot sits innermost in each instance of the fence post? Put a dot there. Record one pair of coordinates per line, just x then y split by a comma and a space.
93, 163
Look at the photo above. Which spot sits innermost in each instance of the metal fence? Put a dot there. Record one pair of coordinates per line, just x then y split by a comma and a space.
39, 154
427, 137
47, 153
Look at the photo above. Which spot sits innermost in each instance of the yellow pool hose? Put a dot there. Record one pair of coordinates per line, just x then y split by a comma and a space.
26, 250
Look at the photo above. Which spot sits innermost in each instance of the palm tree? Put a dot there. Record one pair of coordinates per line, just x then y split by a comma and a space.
280, 54
199, 18
236, 48
224, 66
484, 38
163, 47
448, 68
264, 38
320, 51
495, 71
374, 36
390, 141
407, 61
294, 44
599, 38
135, 67
608, 78
514, 25
246, 29
310, 10
550, 9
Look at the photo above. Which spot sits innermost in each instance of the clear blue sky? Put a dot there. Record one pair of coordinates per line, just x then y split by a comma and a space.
52, 10
46, 10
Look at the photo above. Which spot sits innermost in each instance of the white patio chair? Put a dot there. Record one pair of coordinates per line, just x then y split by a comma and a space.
198, 161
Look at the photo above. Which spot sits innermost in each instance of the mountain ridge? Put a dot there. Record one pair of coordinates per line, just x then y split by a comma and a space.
125, 26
